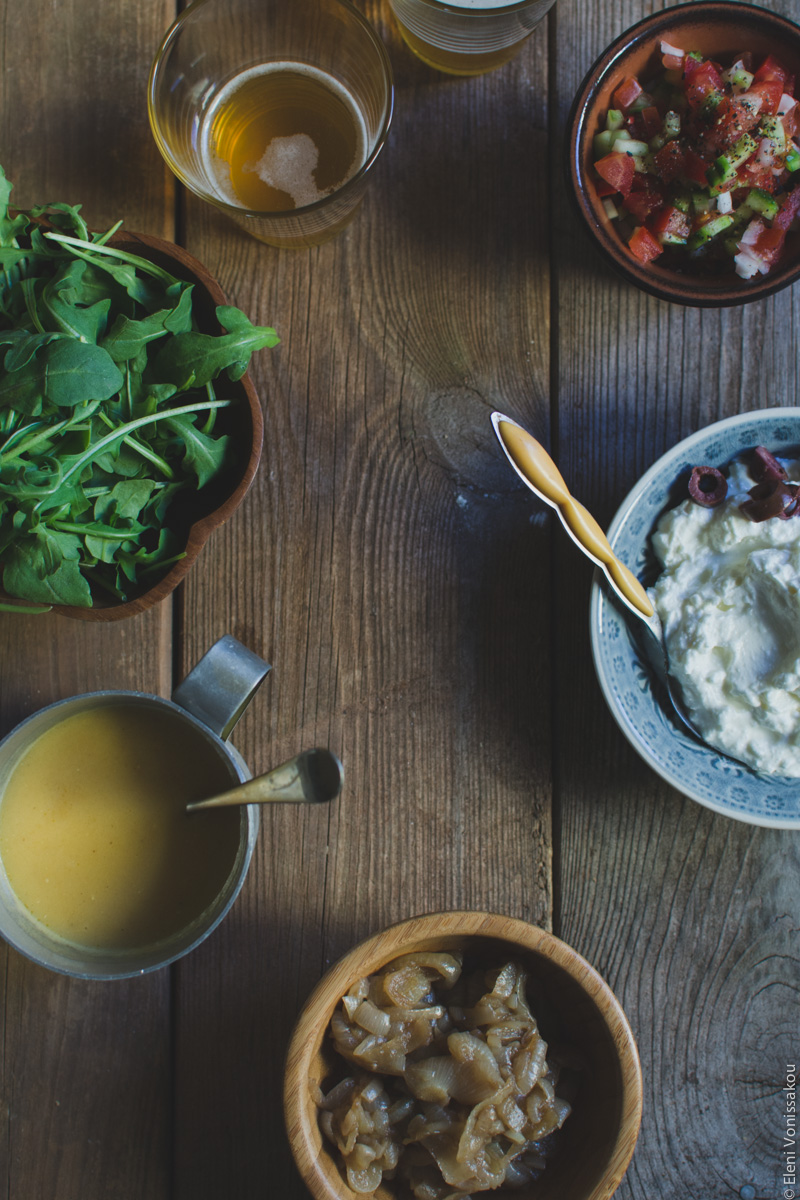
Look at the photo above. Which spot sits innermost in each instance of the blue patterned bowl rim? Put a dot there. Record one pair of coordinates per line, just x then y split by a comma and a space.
626, 680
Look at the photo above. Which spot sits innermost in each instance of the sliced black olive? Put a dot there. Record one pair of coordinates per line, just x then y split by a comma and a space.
766, 465
707, 486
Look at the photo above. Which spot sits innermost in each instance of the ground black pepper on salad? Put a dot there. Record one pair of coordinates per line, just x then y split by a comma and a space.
701, 163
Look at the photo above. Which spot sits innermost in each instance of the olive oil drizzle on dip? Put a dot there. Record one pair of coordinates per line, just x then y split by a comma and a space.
94, 837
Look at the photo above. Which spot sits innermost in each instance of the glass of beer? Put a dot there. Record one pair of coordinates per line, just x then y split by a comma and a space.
467, 37
275, 111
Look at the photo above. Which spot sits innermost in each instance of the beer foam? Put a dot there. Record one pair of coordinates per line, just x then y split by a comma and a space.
287, 160
288, 164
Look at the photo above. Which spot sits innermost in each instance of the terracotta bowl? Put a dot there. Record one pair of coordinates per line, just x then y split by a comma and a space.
197, 517
716, 29
572, 1005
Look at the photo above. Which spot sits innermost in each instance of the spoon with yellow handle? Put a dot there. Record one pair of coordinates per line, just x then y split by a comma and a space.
536, 468
313, 777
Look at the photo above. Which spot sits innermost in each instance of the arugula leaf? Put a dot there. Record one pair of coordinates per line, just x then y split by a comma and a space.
107, 407
66, 372
205, 455
194, 359
127, 336
45, 568
9, 226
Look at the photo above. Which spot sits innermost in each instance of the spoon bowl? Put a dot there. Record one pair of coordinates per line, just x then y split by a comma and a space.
312, 777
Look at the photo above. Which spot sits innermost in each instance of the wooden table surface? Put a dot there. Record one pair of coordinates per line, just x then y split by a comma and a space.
424, 617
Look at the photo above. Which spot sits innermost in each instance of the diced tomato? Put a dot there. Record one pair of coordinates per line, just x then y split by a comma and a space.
643, 201
713, 119
694, 168
770, 69
670, 222
735, 115
668, 161
751, 175
789, 209
702, 83
741, 115
768, 245
617, 169
626, 93
643, 245
651, 121
770, 91
604, 189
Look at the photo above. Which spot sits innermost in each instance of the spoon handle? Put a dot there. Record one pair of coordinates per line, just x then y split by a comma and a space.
313, 777
536, 468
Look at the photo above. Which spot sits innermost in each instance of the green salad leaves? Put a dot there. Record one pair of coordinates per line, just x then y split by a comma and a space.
108, 407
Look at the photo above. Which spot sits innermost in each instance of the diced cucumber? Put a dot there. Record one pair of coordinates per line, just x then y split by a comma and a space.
738, 77
636, 148
772, 128
741, 217
642, 101
761, 202
615, 119
672, 124
710, 104
793, 159
601, 144
723, 172
701, 202
682, 201
711, 229
612, 212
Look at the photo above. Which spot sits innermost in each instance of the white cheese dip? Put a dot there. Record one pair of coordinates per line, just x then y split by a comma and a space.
729, 601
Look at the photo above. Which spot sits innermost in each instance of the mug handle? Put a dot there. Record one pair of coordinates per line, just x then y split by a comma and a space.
220, 687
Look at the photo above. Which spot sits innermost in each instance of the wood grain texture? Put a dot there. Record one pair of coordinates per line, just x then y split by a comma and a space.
692, 918
86, 1080
425, 619
406, 628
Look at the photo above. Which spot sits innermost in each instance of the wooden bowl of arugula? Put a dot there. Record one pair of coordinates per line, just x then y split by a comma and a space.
129, 427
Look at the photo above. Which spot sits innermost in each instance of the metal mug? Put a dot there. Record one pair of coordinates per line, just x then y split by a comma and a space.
208, 703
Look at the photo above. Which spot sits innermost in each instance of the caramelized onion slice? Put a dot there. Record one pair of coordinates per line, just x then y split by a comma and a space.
452, 1095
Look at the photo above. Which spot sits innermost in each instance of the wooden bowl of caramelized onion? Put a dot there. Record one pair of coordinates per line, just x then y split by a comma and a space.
457, 1053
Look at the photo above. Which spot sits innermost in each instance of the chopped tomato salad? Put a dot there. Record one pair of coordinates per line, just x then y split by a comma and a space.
701, 164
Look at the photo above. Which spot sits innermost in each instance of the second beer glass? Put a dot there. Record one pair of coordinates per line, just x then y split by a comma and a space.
467, 37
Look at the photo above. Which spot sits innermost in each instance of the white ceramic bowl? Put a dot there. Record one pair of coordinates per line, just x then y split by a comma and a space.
635, 698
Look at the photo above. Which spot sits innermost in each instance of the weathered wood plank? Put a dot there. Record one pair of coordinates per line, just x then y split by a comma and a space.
693, 918
405, 629
86, 1066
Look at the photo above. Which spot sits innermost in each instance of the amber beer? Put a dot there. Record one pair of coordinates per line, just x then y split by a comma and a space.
274, 111
467, 37
281, 136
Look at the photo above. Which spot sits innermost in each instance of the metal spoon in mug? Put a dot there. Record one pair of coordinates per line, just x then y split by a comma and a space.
313, 777
536, 468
